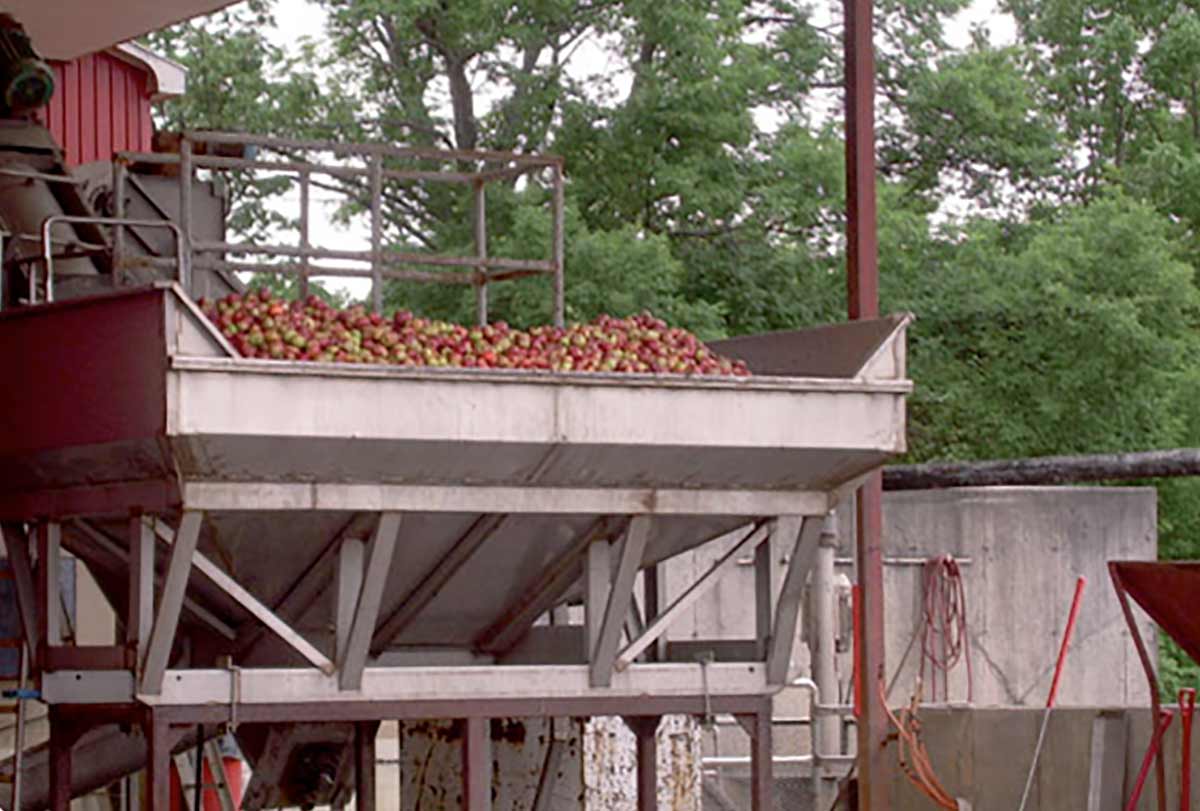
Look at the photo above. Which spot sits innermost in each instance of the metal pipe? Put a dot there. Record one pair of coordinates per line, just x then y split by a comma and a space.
823, 640
43, 176
19, 748
1152, 751
1187, 709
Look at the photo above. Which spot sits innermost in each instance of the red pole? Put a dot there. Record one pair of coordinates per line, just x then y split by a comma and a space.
862, 288
1164, 721
1187, 708
1080, 584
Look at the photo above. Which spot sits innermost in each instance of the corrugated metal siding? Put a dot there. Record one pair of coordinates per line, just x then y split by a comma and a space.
101, 105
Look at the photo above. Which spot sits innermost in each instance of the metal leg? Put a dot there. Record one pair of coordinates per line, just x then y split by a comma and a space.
364, 766
477, 765
62, 737
872, 723
761, 779
645, 727
158, 764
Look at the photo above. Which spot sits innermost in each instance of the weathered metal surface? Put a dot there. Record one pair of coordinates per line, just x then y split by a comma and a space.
610, 764
430, 773
1167, 591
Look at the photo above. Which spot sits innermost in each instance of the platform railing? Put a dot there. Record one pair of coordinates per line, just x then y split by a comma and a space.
369, 173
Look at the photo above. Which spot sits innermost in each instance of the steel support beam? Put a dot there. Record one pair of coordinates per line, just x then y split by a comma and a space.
706, 581
49, 602
604, 655
353, 657
139, 618
477, 764
351, 554
62, 739
245, 599
435, 580
645, 729
171, 603
158, 762
758, 726
259, 495
807, 536
597, 584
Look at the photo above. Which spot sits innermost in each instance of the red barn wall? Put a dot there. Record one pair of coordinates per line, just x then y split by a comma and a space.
101, 105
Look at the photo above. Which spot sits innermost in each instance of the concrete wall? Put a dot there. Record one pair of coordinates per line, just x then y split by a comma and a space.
983, 756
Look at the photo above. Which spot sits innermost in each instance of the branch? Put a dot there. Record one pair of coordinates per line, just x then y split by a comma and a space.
1045, 470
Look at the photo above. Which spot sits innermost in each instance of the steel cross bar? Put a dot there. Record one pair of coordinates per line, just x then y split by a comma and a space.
604, 655
353, 657
757, 534
171, 603
787, 610
244, 598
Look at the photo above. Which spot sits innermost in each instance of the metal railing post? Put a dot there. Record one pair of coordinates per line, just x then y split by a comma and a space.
119, 174
304, 245
557, 257
481, 251
377, 232
185, 209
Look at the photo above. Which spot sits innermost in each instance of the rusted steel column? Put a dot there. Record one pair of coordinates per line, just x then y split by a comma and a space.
364, 765
645, 728
62, 738
862, 287
158, 763
477, 764
762, 780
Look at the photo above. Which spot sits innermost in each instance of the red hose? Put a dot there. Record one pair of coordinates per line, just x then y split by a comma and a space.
1164, 721
1187, 706
1066, 640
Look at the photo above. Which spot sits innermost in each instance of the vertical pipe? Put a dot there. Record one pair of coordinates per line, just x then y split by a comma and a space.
118, 181
304, 244
654, 597
481, 252
377, 232
823, 639
185, 211
19, 745
559, 255
862, 287
477, 764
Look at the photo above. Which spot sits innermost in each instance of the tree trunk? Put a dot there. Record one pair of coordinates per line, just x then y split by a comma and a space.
1045, 470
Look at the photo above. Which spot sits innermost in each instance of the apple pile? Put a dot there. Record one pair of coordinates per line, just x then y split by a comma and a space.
262, 325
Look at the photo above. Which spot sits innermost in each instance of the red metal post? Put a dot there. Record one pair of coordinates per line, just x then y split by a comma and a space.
1187, 708
862, 287
364, 765
645, 728
1152, 752
158, 763
762, 753
62, 738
